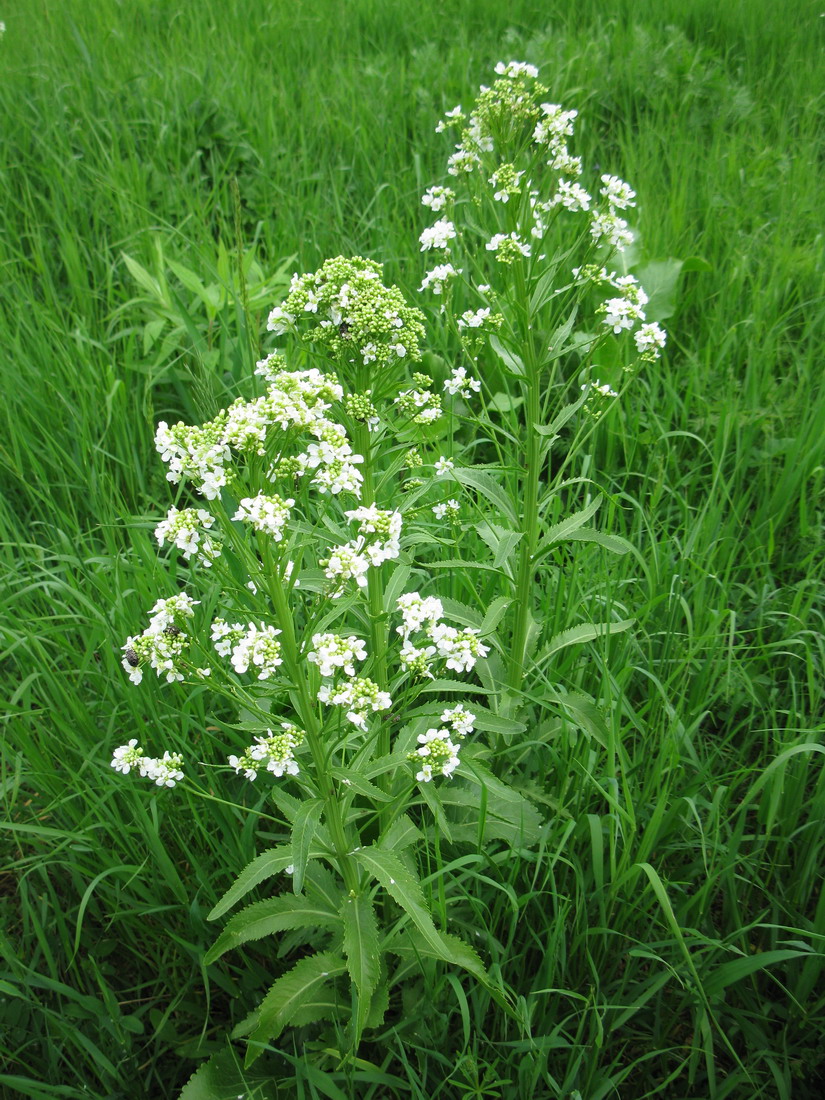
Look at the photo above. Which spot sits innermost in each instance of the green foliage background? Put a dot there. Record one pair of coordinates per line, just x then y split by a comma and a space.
666, 939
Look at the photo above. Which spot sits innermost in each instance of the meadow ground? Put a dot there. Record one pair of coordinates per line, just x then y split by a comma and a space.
665, 938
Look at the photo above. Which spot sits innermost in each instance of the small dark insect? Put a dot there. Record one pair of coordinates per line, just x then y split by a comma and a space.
172, 631
132, 658
343, 328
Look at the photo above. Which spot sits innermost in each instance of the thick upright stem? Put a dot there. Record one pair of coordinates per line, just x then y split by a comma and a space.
308, 717
529, 530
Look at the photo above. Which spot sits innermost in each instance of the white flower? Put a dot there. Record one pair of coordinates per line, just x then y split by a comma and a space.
436, 279
279, 321
572, 196
417, 610
437, 198
129, 756
449, 508
459, 382
468, 319
516, 68
437, 236
359, 695
347, 563
259, 648
268, 514
507, 247
650, 339
443, 466
438, 755
619, 194
332, 651
461, 648
165, 772
459, 719
620, 313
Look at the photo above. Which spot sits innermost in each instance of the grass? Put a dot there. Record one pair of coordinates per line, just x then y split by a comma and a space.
666, 937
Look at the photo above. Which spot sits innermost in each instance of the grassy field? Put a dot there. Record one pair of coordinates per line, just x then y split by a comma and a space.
666, 937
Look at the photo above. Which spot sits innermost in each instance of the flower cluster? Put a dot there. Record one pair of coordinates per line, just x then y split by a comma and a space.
275, 753
438, 278
268, 514
185, 529
332, 651
438, 752
164, 771
255, 646
359, 695
293, 399
421, 405
163, 645
358, 318
460, 649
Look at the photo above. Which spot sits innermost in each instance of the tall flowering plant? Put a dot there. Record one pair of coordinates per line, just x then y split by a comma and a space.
314, 516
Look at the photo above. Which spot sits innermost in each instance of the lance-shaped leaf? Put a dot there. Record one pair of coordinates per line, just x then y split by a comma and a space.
264, 866
290, 993
264, 918
361, 950
403, 887
304, 827
585, 632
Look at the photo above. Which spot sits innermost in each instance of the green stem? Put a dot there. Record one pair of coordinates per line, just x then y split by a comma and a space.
529, 511
309, 721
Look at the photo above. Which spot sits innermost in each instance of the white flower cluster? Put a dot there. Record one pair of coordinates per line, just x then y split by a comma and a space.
437, 236
508, 247
422, 406
275, 753
185, 529
163, 644
268, 514
438, 278
437, 198
164, 771
461, 383
448, 509
627, 310
334, 461
460, 649
332, 651
438, 752
255, 646
293, 399
355, 313
377, 542
359, 695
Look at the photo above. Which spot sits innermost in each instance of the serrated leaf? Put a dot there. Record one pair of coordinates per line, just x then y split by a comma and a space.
614, 543
306, 823
289, 993
485, 484
361, 950
585, 632
562, 530
402, 886
222, 1077
449, 949
561, 418
359, 783
509, 358
264, 918
401, 834
264, 866
586, 715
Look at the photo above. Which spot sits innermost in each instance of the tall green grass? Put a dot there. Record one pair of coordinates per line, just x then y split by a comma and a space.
666, 938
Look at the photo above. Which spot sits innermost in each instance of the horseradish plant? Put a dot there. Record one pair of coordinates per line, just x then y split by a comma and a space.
322, 523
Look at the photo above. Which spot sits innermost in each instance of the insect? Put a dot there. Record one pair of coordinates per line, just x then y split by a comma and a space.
132, 658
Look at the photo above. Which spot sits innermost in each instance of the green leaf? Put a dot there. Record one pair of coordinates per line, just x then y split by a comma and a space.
361, 950
223, 1078
614, 543
505, 402
562, 530
401, 834
359, 783
585, 632
509, 358
484, 483
403, 887
306, 823
288, 994
660, 280
264, 866
734, 971
264, 918
586, 715
558, 341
